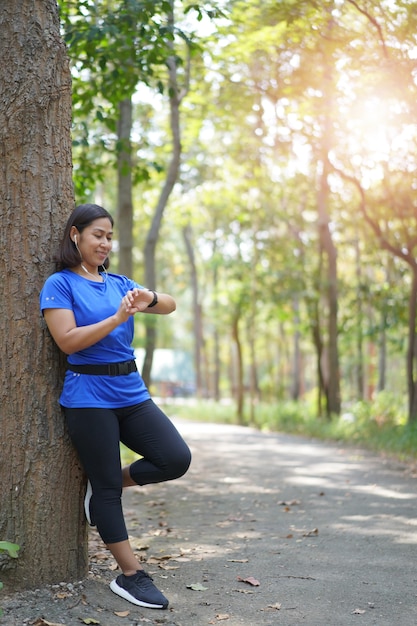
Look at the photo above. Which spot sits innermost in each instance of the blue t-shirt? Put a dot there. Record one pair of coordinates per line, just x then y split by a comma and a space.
92, 302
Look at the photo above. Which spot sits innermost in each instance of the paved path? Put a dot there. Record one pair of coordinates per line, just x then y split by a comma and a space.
330, 533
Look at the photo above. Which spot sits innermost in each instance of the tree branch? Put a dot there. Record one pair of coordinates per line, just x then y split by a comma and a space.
374, 22
385, 244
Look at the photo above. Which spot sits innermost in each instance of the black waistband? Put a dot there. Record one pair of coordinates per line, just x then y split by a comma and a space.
111, 369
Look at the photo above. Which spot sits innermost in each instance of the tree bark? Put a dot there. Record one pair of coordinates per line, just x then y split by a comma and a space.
196, 311
153, 234
40, 479
328, 248
295, 383
175, 97
327, 245
237, 364
412, 348
124, 181
382, 352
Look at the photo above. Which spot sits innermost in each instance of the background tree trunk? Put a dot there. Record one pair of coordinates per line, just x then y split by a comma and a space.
196, 311
124, 183
328, 249
153, 234
412, 348
176, 95
295, 382
237, 365
40, 479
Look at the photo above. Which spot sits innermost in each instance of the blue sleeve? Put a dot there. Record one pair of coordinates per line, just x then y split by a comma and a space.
131, 284
56, 293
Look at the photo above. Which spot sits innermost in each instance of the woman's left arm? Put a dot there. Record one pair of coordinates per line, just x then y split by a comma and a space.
149, 301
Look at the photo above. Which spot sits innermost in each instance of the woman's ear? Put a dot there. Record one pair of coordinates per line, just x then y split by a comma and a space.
73, 235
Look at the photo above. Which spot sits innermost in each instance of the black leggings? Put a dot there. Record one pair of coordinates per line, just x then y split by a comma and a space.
143, 428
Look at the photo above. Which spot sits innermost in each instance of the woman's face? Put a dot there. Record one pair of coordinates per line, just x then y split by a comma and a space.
94, 242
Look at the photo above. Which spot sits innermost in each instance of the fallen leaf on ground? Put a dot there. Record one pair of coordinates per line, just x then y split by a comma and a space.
250, 580
311, 533
160, 532
222, 616
89, 620
122, 613
153, 561
197, 587
238, 560
166, 557
358, 612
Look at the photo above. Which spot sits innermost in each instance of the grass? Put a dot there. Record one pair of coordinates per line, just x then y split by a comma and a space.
380, 425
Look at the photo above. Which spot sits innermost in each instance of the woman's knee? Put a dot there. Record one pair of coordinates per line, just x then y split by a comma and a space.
172, 465
181, 462
176, 463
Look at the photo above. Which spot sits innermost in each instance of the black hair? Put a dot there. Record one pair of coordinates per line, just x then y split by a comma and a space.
81, 217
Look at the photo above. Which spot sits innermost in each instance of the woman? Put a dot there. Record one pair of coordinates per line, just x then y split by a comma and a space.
89, 313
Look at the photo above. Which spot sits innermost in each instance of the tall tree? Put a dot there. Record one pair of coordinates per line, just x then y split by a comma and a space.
40, 479
177, 90
124, 187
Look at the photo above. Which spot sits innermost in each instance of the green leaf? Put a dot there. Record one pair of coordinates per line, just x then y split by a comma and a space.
11, 548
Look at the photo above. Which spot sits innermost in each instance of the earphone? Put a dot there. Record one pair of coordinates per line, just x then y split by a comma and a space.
75, 239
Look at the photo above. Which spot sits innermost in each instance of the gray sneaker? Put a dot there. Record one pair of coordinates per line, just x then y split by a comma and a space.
87, 502
139, 589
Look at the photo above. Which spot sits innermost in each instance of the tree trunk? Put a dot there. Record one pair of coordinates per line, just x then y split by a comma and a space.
215, 386
314, 314
295, 383
332, 356
382, 352
40, 479
237, 365
332, 381
175, 97
360, 381
124, 180
196, 311
411, 350
153, 234
253, 370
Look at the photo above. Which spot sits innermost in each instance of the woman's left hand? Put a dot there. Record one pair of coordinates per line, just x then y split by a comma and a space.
138, 301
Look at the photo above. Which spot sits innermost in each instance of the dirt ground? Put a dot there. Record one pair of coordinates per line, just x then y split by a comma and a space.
264, 529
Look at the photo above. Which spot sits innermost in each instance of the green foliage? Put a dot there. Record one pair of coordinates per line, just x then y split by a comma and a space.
116, 47
380, 425
11, 548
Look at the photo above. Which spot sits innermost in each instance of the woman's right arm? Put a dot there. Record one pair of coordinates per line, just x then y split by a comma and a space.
71, 338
